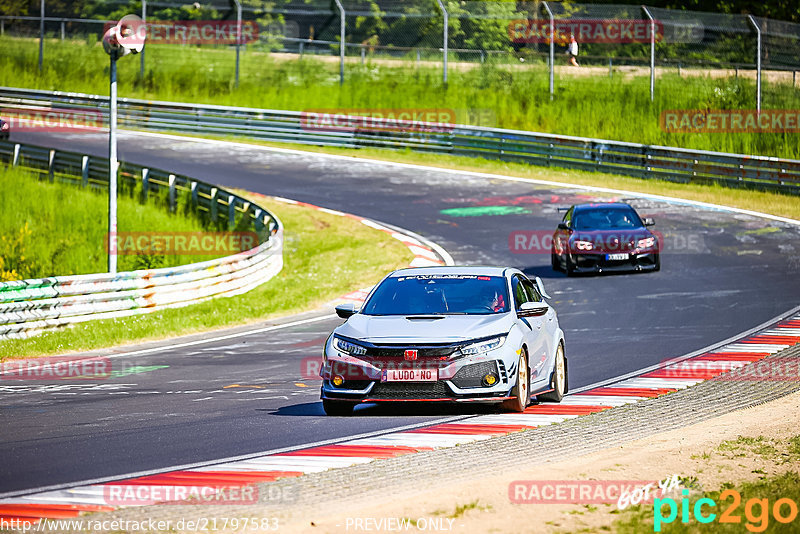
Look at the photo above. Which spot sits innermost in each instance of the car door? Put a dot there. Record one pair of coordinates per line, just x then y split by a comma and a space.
532, 327
548, 322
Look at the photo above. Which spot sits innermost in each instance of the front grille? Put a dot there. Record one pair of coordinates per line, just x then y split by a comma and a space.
410, 390
398, 351
471, 376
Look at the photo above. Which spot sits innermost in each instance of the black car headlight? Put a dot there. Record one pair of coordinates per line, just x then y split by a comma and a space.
348, 348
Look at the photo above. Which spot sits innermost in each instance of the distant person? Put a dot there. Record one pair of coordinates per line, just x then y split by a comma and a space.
572, 50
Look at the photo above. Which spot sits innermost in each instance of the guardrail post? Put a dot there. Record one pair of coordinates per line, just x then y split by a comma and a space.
341, 40
300, 48
50, 160
213, 208
84, 171
231, 212
552, 46
758, 63
258, 220
15, 159
171, 195
652, 52
2, 27
363, 55
610, 68
145, 184
63, 32
193, 189
445, 33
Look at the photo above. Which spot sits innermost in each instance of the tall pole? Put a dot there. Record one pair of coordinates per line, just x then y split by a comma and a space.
445, 37
342, 28
238, 36
758, 63
112, 168
552, 48
652, 53
141, 54
41, 35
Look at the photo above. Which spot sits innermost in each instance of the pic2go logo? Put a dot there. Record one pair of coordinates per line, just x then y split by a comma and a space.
756, 511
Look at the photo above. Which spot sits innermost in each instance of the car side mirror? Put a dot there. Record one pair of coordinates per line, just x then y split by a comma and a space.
533, 309
540, 287
563, 226
346, 311
648, 221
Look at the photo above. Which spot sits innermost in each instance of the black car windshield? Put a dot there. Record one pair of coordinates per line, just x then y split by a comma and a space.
607, 219
439, 294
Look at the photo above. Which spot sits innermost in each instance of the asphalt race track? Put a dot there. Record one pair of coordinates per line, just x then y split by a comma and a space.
722, 273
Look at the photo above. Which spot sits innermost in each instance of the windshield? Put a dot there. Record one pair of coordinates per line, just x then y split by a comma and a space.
607, 219
439, 295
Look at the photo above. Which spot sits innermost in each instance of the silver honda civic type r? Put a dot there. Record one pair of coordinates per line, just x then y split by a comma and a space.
447, 334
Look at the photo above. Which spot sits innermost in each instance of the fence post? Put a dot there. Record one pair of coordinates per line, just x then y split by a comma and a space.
2, 27
552, 46
342, 28
84, 171
445, 37
363, 54
141, 54
758, 63
62, 30
652, 52
145, 184
15, 159
41, 35
610, 65
238, 36
193, 189
171, 197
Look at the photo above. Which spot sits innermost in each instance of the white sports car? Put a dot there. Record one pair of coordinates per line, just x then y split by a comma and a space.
457, 334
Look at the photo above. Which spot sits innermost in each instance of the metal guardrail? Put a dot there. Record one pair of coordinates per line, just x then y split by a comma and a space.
632, 159
29, 307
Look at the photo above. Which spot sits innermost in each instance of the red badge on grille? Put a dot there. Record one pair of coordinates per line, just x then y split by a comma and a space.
410, 355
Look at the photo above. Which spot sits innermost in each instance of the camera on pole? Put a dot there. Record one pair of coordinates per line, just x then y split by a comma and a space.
126, 37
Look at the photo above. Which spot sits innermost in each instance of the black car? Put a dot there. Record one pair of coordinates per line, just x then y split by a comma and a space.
604, 237
5, 129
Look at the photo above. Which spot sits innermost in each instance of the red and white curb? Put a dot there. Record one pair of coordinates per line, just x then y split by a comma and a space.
667, 378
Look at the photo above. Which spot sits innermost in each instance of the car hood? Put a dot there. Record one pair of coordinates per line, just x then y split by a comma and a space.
416, 329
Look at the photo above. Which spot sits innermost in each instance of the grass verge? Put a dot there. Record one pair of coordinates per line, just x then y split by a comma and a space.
778, 204
58, 228
325, 256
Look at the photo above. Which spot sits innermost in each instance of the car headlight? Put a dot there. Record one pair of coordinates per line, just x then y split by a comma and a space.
646, 242
4, 126
582, 245
349, 348
483, 346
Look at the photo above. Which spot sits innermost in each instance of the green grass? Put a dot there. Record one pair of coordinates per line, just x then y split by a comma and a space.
616, 108
784, 486
60, 229
325, 256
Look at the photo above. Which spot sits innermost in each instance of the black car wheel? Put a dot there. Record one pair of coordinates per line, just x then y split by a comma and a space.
555, 261
570, 267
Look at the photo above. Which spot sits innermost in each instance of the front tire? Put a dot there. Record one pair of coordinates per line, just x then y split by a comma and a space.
570, 267
558, 382
338, 408
521, 389
555, 261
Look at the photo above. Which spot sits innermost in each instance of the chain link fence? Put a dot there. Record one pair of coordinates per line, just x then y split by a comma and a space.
612, 40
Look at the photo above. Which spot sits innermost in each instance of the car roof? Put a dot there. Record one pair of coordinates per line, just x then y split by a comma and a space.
593, 205
453, 269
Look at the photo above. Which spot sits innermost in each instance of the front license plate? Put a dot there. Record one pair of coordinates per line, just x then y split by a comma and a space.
617, 256
409, 375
